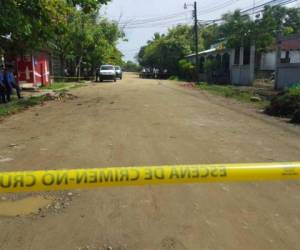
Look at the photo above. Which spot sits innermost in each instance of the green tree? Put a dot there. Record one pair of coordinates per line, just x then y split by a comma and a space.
89, 41
186, 69
276, 20
31, 23
237, 29
131, 66
209, 35
164, 51
72, 29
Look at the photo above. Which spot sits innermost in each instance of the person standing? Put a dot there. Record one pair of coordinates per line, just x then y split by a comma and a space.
2, 86
12, 82
8, 87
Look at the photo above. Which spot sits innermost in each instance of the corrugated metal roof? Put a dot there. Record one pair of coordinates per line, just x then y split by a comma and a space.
293, 44
203, 52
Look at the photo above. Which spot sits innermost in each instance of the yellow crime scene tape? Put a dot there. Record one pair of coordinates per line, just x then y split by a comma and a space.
50, 180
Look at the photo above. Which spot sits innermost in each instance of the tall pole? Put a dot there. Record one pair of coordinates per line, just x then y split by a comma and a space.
196, 42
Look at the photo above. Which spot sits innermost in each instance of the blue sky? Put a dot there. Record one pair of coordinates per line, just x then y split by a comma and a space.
129, 12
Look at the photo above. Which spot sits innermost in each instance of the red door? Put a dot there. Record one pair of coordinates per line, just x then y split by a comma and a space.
42, 74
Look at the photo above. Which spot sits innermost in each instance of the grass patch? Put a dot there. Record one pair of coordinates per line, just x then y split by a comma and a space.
78, 85
56, 86
16, 106
175, 78
236, 93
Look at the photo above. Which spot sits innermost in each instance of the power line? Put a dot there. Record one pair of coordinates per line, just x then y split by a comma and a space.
165, 21
270, 3
162, 21
254, 10
156, 19
159, 24
217, 7
136, 22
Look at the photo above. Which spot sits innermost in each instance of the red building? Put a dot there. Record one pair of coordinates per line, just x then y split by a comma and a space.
33, 70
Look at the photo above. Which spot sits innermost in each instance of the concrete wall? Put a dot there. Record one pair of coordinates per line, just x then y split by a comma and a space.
268, 61
295, 56
242, 74
287, 75
288, 71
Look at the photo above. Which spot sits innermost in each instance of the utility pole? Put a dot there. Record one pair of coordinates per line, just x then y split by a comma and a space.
195, 16
196, 42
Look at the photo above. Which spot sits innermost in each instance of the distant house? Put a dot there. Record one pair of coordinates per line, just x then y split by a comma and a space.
234, 66
288, 61
238, 66
290, 53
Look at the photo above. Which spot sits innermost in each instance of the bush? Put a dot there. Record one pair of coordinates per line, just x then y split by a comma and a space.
286, 104
209, 66
187, 69
296, 117
174, 78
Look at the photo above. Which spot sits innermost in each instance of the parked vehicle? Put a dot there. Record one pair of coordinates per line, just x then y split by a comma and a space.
107, 72
119, 72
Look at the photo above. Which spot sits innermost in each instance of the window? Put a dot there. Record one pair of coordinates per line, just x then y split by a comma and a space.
107, 68
237, 56
246, 56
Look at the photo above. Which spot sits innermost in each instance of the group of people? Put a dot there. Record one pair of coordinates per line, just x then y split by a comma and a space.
155, 73
7, 84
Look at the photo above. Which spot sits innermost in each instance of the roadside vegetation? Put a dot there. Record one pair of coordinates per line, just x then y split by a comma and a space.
286, 104
60, 90
56, 86
229, 91
130, 66
16, 106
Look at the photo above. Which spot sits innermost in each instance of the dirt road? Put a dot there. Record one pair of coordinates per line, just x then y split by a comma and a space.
146, 122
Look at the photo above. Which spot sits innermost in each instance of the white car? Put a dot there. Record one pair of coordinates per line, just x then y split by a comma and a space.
119, 72
107, 72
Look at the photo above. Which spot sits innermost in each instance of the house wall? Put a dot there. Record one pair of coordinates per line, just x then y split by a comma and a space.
287, 75
25, 71
242, 74
33, 70
238, 74
41, 69
295, 56
268, 61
